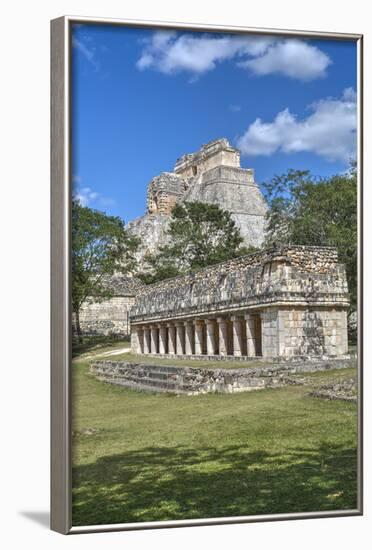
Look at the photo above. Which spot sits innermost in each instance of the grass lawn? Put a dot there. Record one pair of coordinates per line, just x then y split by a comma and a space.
96, 344
204, 363
150, 457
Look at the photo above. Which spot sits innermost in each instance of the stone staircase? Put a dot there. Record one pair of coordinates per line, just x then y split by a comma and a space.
177, 380
141, 377
196, 380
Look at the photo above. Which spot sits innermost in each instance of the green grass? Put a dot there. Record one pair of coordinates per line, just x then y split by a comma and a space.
203, 363
92, 344
176, 361
150, 457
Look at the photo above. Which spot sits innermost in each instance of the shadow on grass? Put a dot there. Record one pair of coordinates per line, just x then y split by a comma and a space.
156, 484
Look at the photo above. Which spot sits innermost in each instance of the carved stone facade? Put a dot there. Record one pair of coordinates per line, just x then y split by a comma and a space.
211, 175
163, 192
287, 302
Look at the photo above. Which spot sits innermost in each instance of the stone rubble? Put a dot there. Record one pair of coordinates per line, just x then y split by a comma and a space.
197, 380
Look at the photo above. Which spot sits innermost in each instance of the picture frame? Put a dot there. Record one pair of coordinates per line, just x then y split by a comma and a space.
61, 310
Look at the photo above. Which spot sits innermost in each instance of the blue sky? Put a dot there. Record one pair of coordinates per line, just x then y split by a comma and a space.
141, 99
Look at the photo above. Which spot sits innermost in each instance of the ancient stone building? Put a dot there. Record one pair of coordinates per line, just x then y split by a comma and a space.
287, 302
211, 175
111, 316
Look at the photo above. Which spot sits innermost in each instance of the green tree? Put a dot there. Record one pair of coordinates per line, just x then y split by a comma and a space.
100, 246
199, 235
316, 211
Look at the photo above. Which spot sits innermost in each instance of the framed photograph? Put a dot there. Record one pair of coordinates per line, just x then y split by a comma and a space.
206, 274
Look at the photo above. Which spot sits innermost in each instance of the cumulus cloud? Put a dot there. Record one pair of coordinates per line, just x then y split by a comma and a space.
293, 58
328, 131
169, 53
85, 195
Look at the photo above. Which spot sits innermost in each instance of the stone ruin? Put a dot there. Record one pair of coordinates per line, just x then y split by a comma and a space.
211, 175
288, 302
282, 303
110, 316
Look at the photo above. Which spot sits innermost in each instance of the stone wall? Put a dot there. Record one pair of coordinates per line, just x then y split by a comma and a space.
110, 317
196, 380
163, 193
210, 155
295, 331
234, 190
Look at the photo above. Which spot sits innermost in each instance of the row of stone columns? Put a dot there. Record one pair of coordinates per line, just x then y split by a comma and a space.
187, 337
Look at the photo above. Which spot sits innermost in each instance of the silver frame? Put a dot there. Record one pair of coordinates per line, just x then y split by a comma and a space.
61, 463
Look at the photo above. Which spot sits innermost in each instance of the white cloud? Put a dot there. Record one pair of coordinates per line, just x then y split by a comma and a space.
291, 57
329, 131
87, 52
169, 53
85, 195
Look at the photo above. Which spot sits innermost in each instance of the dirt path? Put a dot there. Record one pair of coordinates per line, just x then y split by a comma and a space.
109, 353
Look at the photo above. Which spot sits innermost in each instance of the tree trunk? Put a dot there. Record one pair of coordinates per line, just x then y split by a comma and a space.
78, 327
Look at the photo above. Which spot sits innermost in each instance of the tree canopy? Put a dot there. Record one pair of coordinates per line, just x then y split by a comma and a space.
199, 235
100, 246
314, 211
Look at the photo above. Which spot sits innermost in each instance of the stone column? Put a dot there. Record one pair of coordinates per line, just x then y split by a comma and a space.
179, 339
222, 336
146, 340
189, 338
162, 339
154, 339
140, 339
251, 337
198, 337
211, 341
237, 335
171, 338
134, 340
